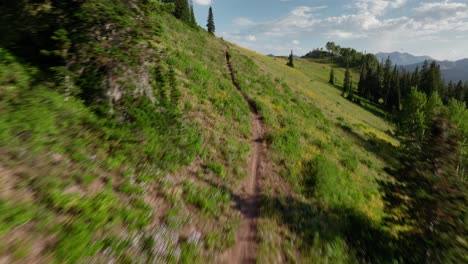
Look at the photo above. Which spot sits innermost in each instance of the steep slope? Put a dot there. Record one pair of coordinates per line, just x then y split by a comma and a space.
165, 186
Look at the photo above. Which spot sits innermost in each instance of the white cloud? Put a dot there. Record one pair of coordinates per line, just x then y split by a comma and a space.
425, 7
367, 19
251, 38
344, 34
377, 7
242, 21
203, 2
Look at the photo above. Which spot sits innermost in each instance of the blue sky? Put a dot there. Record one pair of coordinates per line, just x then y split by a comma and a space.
438, 28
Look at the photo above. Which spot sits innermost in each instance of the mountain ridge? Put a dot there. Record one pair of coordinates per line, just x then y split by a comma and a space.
402, 58
451, 70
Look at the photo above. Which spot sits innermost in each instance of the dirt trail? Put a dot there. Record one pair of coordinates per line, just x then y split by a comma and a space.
246, 246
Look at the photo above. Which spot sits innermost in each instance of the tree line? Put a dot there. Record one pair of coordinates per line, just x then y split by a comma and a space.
389, 85
431, 191
183, 10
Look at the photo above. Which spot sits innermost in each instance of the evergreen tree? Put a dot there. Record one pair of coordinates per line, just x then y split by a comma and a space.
362, 86
405, 84
387, 79
291, 60
459, 91
350, 91
443, 91
347, 82
332, 76
377, 84
434, 107
413, 122
394, 100
193, 21
451, 89
210, 25
465, 89
436, 198
181, 10
431, 79
459, 116
415, 78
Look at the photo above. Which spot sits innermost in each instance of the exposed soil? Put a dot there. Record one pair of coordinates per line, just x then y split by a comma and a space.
246, 246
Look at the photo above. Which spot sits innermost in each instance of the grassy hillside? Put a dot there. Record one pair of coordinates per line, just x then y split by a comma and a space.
146, 182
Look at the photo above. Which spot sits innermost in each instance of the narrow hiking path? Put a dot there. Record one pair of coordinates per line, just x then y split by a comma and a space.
246, 246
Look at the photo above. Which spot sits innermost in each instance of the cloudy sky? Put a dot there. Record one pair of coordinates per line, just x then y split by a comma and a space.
438, 28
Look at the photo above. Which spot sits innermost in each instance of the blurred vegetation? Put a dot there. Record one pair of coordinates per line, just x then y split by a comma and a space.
122, 138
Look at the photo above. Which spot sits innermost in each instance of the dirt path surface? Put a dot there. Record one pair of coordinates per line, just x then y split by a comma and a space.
246, 246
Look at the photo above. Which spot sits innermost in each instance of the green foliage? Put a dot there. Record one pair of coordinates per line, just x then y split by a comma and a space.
458, 115
350, 161
217, 168
434, 107
13, 74
189, 253
174, 93
322, 178
15, 214
432, 198
175, 217
413, 119
210, 200
220, 241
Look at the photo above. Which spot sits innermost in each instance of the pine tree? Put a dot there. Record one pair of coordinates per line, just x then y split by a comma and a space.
193, 21
433, 107
291, 60
437, 198
431, 79
387, 79
451, 89
465, 89
362, 86
377, 84
393, 94
459, 91
210, 25
347, 82
350, 91
416, 78
181, 10
332, 76
413, 121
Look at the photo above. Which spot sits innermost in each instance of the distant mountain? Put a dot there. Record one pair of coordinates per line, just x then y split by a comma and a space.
402, 58
451, 70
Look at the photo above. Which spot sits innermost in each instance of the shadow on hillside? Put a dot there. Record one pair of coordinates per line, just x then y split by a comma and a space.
371, 108
369, 243
381, 148
365, 104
